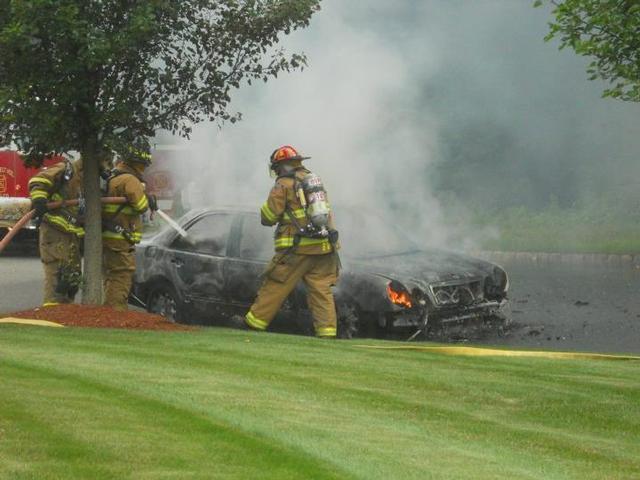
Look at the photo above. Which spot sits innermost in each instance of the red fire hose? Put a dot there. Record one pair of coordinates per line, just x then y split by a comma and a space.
51, 206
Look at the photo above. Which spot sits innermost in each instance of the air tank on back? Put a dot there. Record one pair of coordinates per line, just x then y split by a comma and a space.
317, 204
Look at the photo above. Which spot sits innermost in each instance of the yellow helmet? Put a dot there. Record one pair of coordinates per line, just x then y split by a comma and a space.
135, 155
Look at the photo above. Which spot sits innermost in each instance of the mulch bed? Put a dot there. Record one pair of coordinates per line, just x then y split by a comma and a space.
74, 315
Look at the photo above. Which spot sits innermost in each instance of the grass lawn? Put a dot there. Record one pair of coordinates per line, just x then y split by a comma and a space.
562, 231
568, 238
217, 403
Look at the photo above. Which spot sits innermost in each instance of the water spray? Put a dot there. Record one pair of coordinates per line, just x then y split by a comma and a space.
172, 223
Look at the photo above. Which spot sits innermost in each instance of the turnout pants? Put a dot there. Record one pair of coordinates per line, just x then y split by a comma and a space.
57, 248
118, 265
319, 273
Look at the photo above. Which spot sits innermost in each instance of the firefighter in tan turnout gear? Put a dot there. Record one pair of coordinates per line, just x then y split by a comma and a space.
305, 244
60, 229
122, 225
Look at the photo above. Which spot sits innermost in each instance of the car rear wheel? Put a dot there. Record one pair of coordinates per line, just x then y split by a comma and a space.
165, 302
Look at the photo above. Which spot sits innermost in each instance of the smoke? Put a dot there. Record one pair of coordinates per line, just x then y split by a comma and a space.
545, 129
422, 110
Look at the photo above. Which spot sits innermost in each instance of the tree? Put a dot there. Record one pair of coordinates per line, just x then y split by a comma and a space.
89, 75
608, 31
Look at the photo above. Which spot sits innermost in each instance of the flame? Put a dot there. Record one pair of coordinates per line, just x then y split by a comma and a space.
399, 297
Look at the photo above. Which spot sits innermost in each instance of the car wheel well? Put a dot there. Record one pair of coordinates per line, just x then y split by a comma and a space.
153, 284
353, 320
162, 298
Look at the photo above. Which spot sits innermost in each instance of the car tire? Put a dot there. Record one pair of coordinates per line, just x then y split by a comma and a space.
352, 322
163, 300
347, 322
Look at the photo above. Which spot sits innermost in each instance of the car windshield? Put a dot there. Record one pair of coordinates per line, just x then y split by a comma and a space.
366, 234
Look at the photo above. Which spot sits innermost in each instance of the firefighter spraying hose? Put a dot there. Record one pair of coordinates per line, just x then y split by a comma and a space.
24, 220
57, 208
50, 206
122, 224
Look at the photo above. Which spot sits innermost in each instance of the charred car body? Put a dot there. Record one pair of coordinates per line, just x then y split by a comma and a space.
387, 284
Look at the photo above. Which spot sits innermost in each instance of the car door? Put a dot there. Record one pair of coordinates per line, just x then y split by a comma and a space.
198, 262
246, 266
245, 274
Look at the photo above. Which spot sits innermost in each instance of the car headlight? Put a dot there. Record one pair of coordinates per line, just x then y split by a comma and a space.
398, 294
497, 283
502, 279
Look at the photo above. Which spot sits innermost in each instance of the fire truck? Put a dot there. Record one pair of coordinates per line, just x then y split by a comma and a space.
14, 179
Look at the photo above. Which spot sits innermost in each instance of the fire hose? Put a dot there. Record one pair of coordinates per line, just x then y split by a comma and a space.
62, 203
50, 206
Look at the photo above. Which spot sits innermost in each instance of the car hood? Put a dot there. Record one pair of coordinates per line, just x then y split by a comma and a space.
428, 265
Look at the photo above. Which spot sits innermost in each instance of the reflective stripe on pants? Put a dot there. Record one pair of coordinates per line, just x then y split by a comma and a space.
319, 273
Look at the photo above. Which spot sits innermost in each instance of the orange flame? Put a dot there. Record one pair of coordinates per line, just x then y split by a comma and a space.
399, 297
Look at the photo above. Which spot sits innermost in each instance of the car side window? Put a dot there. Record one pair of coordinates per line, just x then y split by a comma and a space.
208, 235
256, 242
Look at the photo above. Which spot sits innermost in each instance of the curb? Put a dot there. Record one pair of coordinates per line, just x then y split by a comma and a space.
538, 258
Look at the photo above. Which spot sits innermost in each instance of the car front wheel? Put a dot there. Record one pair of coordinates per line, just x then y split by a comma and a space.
164, 301
353, 322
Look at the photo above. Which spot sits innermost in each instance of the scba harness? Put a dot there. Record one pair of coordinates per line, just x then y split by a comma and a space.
61, 217
312, 195
108, 224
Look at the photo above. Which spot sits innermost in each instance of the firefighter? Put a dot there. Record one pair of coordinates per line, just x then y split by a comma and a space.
122, 224
60, 229
302, 251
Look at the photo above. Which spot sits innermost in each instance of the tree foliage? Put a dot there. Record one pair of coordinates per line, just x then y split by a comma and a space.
111, 71
90, 75
609, 32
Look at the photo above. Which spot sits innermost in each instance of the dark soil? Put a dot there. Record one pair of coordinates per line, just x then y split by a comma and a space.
92, 316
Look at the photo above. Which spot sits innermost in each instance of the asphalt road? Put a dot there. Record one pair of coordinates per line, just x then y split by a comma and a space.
557, 307
20, 282
565, 307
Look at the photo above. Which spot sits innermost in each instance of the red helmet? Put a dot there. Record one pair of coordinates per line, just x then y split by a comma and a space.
285, 153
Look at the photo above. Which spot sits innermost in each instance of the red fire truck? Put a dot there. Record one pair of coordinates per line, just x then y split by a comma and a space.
14, 179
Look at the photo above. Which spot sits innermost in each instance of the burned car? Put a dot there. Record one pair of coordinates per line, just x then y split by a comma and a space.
387, 284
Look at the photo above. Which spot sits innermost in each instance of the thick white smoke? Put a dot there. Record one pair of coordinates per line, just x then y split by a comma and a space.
352, 111
387, 81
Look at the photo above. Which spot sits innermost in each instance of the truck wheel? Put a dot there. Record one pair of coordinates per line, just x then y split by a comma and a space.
165, 302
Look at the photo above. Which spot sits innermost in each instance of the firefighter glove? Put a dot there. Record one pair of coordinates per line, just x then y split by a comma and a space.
40, 207
153, 202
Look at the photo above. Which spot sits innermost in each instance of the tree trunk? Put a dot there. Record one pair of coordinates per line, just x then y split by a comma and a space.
92, 286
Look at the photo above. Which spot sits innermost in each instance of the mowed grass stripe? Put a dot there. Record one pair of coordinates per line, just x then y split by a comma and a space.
365, 414
93, 423
34, 444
